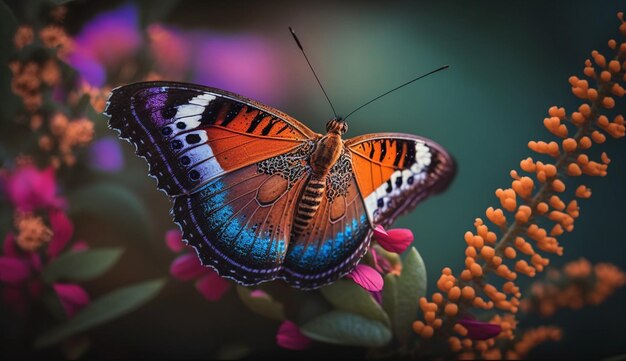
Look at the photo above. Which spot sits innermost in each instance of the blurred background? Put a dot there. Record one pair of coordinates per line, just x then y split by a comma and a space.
509, 62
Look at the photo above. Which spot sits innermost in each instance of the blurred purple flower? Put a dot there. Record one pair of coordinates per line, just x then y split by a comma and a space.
259, 294
72, 296
367, 277
477, 330
244, 64
29, 188
106, 155
290, 337
393, 240
105, 42
172, 50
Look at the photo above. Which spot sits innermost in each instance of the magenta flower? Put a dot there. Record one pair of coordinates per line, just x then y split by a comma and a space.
106, 155
212, 286
62, 229
29, 188
367, 277
13, 270
187, 267
393, 240
73, 297
477, 330
290, 337
174, 240
106, 42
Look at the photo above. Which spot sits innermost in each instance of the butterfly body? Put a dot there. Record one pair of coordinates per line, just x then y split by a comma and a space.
258, 194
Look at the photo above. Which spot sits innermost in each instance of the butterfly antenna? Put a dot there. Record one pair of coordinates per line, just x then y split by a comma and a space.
396, 88
311, 66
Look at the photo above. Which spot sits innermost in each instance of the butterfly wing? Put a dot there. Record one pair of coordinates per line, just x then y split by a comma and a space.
191, 134
233, 166
337, 237
396, 171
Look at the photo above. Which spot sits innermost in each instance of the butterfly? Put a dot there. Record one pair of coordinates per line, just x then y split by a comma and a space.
259, 195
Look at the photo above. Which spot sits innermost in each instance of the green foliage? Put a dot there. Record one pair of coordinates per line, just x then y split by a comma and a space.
81, 266
409, 287
103, 309
339, 327
264, 305
348, 296
114, 204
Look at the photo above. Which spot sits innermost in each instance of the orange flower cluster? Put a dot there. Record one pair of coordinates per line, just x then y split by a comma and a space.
34, 78
504, 348
579, 283
530, 203
32, 232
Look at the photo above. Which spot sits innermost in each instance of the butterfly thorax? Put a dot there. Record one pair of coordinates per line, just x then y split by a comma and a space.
327, 151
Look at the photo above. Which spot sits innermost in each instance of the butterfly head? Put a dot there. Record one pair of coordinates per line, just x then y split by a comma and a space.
337, 125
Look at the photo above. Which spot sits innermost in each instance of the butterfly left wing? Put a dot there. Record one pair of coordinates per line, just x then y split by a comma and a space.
395, 171
233, 166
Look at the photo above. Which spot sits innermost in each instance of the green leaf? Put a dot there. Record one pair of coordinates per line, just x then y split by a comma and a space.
81, 266
411, 286
103, 309
115, 204
339, 327
265, 305
348, 296
390, 297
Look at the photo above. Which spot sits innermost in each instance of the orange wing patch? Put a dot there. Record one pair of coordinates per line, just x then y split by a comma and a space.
395, 171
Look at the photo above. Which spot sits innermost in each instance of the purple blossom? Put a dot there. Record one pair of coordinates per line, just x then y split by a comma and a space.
106, 155
290, 337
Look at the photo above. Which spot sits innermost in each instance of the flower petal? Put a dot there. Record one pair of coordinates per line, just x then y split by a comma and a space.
79, 246
290, 337
394, 240
212, 286
72, 297
63, 230
377, 296
13, 270
186, 267
367, 277
106, 155
174, 240
8, 247
259, 294
477, 330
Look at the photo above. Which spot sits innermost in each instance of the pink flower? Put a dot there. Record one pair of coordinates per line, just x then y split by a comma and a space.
290, 337
63, 229
477, 330
29, 188
13, 270
393, 240
212, 286
73, 297
187, 267
174, 240
367, 277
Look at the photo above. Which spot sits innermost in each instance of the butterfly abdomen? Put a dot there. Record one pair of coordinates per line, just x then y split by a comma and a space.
326, 153
309, 203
